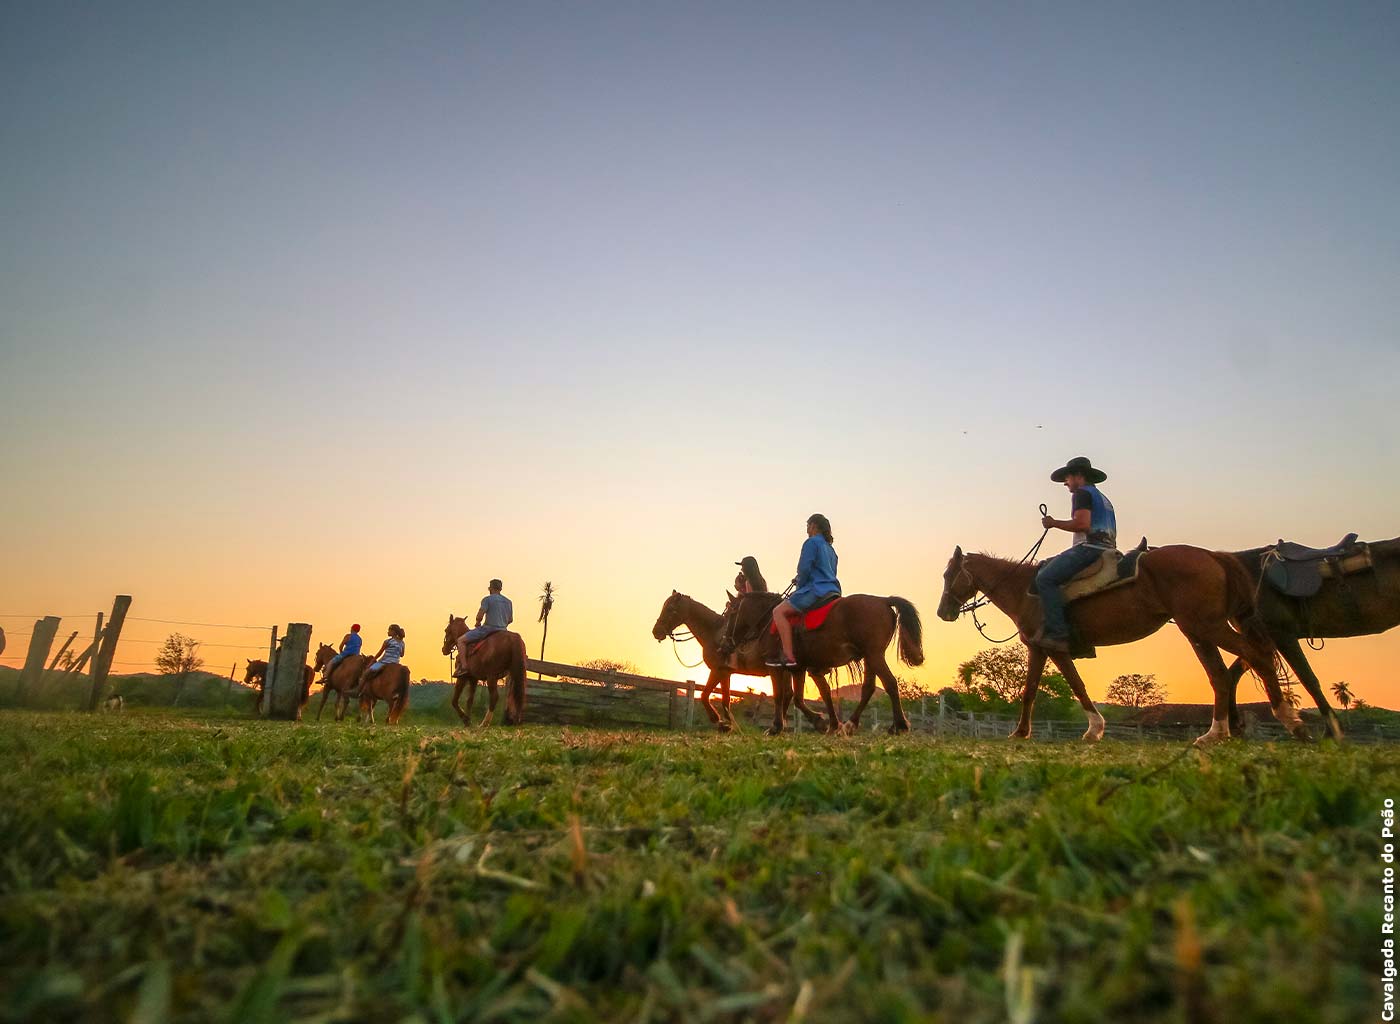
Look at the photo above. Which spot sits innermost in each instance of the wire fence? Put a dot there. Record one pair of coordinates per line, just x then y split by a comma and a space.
137, 647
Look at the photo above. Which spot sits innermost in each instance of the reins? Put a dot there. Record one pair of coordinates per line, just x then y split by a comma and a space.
982, 601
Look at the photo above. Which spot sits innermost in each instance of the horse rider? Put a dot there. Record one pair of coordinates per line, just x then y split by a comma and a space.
350, 645
390, 651
816, 584
494, 615
749, 580
1095, 531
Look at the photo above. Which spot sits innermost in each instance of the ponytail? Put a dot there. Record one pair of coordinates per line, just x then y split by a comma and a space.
823, 525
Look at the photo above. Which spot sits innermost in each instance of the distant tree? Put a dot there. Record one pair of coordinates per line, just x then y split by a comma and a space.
603, 665
997, 671
67, 659
1136, 691
1359, 704
1343, 694
179, 654
546, 606
911, 689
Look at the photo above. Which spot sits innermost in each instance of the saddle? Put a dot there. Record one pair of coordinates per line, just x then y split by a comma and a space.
1113, 569
1296, 570
810, 620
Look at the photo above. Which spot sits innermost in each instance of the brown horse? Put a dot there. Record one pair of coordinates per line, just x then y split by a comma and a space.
1358, 604
859, 628
389, 684
342, 682
256, 675
1207, 593
500, 654
704, 624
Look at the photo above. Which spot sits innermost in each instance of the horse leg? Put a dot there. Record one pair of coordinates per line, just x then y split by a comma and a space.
1220, 682
1232, 680
833, 722
325, 692
899, 722
782, 688
727, 724
1035, 668
1065, 664
491, 708
471, 698
1256, 647
816, 720
867, 691
457, 700
711, 681
342, 704
1292, 652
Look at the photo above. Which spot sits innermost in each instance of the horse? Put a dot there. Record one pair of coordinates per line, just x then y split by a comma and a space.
256, 674
704, 624
389, 684
858, 628
1357, 604
1208, 594
342, 681
500, 654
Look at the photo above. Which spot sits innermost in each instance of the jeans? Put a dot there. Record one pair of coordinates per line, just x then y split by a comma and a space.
1053, 575
471, 636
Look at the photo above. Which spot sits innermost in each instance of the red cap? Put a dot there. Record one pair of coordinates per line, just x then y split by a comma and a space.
355, 628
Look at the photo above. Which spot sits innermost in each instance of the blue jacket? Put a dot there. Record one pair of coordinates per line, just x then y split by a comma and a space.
816, 569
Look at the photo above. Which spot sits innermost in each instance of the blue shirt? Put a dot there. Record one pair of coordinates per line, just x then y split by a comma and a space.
1103, 526
352, 645
499, 613
816, 567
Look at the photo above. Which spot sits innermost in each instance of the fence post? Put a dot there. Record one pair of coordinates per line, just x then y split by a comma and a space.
66, 644
282, 691
102, 660
923, 712
91, 652
267, 679
228, 692
689, 702
39, 643
942, 711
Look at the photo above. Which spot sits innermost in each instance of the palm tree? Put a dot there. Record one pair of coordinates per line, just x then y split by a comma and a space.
546, 605
1343, 694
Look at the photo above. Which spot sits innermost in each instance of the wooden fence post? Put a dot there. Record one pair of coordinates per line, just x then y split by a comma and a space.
282, 691
267, 679
689, 703
942, 711
91, 651
102, 660
228, 692
40, 641
66, 644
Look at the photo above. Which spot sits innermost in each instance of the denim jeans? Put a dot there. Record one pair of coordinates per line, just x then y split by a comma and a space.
1053, 575
471, 636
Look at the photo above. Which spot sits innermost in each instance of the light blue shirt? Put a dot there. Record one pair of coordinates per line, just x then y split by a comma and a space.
353, 645
499, 613
816, 568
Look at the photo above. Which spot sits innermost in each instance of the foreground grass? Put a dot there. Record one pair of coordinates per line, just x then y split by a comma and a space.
159, 867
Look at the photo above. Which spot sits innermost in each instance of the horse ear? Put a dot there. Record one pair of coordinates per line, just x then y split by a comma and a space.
957, 554
728, 595
675, 593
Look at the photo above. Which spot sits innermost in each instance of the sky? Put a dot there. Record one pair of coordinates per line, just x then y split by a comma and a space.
330, 312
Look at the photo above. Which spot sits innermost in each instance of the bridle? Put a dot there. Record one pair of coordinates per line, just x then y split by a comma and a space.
676, 639
981, 600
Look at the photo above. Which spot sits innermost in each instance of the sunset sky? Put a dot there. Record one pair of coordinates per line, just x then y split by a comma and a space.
330, 312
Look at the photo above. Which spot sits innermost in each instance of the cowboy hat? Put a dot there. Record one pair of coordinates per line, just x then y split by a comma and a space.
1079, 464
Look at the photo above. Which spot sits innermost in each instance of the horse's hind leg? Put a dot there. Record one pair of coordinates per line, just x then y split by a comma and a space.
867, 690
1076, 683
1256, 647
899, 721
1035, 667
833, 722
325, 692
1292, 652
800, 681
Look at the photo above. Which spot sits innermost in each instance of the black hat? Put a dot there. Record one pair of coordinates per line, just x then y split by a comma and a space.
1079, 464
748, 562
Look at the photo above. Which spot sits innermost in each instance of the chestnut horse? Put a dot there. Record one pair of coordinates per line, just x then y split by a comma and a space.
343, 681
390, 684
704, 624
500, 654
858, 628
1207, 593
256, 675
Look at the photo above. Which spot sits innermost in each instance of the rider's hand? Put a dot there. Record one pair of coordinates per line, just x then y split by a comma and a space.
1047, 521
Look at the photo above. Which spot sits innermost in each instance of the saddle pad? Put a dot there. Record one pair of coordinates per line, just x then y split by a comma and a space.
1114, 570
813, 619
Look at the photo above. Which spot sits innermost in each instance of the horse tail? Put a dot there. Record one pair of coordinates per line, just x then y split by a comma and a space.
911, 631
515, 692
1241, 599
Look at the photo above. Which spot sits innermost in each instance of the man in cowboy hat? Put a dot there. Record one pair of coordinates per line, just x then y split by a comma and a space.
1095, 531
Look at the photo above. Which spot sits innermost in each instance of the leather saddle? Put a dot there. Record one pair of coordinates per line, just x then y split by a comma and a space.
1113, 569
1296, 570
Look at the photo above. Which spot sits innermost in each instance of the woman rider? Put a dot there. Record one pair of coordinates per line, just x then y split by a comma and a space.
816, 584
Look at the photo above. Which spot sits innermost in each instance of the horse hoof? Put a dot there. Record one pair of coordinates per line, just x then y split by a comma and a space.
1019, 735
772, 730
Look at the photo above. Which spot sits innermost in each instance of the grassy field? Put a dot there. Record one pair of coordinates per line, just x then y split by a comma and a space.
159, 866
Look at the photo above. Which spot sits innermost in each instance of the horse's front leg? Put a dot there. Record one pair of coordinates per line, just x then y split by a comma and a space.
782, 688
325, 692
471, 698
491, 708
833, 722
342, 704
711, 681
457, 700
1035, 667
1065, 664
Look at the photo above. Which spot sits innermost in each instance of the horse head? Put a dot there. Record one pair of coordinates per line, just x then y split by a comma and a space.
257, 670
456, 626
672, 612
959, 587
324, 654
